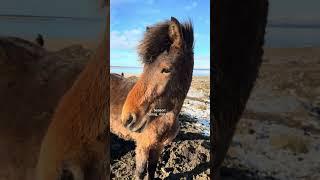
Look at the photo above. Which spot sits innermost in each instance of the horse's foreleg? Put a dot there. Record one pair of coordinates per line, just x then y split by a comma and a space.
216, 174
96, 171
154, 155
142, 155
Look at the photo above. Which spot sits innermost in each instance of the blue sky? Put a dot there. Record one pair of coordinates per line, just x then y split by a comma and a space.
129, 19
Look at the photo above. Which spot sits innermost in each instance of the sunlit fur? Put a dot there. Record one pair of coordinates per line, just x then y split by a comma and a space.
76, 142
160, 47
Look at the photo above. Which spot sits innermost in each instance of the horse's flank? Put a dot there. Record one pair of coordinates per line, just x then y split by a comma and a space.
119, 89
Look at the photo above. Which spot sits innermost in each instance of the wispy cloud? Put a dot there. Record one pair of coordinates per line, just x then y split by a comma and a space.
124, 58
121, 55
125, 40
202, 61
202, 58
191, 6
130, 18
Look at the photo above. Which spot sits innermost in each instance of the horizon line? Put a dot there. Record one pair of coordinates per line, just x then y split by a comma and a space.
27, 16
271, 23
142, 67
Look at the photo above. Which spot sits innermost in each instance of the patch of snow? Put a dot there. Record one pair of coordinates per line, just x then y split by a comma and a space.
199, 111
195, 94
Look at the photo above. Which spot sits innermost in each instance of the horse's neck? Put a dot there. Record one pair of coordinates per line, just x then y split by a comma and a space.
91, 92
94, 81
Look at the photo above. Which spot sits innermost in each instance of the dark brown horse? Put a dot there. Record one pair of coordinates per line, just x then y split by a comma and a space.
238, 37
147, 111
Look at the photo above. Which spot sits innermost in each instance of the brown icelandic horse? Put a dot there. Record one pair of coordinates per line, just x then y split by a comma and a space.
238, 37
167, 54
76, 144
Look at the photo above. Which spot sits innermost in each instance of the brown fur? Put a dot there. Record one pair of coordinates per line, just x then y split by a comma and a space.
76, 141
238, 36
20, 134
31, 83
167, 54
28, 51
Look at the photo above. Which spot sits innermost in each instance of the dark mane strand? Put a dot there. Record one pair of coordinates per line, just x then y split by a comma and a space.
187, 30
156, 40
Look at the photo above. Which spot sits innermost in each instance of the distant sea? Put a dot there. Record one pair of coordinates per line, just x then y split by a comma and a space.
138, 70
52, 27
277, 35
292, 37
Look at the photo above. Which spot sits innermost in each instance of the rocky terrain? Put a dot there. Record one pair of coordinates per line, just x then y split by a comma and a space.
279, 134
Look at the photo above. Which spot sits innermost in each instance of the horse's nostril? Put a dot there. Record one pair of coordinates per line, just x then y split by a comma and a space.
130, 121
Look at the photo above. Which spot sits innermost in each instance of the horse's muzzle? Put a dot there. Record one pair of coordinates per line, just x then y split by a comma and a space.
130, 122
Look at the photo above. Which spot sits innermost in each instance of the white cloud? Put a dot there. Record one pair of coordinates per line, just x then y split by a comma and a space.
202, 62
124, 58
191, 6
126, 40
119, 56
202, 58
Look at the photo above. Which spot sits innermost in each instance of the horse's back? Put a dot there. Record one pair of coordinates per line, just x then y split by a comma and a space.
119, 89
30, 93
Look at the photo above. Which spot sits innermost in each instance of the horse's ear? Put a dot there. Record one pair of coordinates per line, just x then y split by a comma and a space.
147, 28
175, 33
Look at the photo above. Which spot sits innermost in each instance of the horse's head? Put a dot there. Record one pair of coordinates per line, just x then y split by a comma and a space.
167, 54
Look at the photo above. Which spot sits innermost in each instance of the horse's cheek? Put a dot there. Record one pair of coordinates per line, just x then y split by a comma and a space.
160, 90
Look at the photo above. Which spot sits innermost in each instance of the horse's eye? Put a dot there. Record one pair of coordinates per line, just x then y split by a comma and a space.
165, 70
